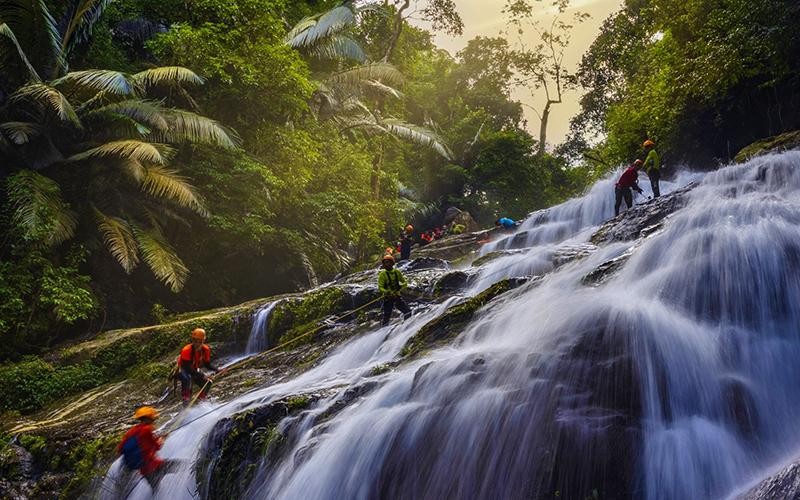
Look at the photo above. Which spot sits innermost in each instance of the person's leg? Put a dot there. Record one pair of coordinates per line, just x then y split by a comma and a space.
617, 200
628, 197
168, 466
388, 303
403, 307
203, 383
186, 386
655, 176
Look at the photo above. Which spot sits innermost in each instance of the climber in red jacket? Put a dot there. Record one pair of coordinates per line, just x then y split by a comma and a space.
193, 357
627, 181
140, 445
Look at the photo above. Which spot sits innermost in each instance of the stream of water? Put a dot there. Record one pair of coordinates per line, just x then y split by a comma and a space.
676, 378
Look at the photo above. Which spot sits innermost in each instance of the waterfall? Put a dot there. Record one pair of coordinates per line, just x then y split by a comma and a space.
675, 378
257, 342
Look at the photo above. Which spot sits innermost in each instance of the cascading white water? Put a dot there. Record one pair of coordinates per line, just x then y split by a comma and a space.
676, 378
257, 341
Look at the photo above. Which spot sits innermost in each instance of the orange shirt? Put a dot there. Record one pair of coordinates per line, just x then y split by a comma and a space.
198, 357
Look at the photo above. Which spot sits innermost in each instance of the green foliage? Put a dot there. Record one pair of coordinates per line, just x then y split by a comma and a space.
29, 385
38, 297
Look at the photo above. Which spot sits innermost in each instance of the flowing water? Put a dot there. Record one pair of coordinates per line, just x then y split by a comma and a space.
676, 378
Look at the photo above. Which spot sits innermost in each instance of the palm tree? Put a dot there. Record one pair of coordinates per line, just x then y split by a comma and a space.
342, 95
92, 148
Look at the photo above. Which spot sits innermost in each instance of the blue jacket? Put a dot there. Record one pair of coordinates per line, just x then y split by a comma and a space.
507, 223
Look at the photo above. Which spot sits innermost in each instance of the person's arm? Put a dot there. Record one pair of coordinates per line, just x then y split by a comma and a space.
207, 361
382, 278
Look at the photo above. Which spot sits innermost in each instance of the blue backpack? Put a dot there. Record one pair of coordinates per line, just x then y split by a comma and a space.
132, 454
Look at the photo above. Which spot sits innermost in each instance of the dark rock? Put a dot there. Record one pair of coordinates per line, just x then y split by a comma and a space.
451, 282
643, 218
568, 253
454, 247
785, 484
607, 269
424, 263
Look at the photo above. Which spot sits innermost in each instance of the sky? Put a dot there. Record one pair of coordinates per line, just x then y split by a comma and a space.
484, 18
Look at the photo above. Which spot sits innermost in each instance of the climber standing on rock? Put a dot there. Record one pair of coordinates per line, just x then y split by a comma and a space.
192, 358
139, 446
390, 283
406, 240
652, 165
627, 181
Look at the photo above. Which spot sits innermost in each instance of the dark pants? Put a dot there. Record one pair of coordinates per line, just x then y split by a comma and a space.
388, 304
167, 467
405, 251
655, 176
620, 194
186, 378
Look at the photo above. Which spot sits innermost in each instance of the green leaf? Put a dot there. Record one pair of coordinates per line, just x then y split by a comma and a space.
144, 152
38, 208
49, 98
161, 258
165, 183
119, 239
98, 80
167, 75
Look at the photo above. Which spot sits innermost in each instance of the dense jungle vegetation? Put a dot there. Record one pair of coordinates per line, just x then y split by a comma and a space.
160, 156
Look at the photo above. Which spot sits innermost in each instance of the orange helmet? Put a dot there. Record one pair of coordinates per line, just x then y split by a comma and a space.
648, 142
146, 412
409, 228
199, 334
388, 257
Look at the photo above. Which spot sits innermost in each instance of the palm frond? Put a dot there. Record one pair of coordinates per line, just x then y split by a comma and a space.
35, 30
98, 80
161, 182
339, 47
119, 239
383, 88
161, 258
144, 152
419, 135
149, 113
134, 168
185, 126
6, 31
19, 132
380, 72
79, 25
169, 75
49, 98
310, 31
38, 208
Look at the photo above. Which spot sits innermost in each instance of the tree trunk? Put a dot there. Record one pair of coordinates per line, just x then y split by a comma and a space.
375, 177
398, 28
543, 128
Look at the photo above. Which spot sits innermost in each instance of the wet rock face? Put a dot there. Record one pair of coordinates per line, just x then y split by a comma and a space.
568, 253
453, 247
782, 142
784, 485
642, 219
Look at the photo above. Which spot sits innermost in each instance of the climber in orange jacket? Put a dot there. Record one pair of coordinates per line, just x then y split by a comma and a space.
193, 357
140, 445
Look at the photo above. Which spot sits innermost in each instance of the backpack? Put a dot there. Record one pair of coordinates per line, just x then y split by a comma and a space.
132, 454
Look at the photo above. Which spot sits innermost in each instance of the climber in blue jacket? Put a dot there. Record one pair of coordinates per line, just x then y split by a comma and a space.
506, 223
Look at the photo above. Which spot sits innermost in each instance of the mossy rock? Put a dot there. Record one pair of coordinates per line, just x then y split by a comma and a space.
452, 323
782, 142
238, 444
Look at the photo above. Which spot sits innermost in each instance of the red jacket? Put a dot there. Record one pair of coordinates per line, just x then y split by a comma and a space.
148, 443
197, 357
629, 179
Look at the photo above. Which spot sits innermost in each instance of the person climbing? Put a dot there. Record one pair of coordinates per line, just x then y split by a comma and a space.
627, 181
406, 240
139, 446
652, 165
192, 358
390, 283
506, 223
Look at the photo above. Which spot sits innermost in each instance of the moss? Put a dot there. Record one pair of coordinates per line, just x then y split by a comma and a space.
292, 318
295, 403
87, 461
379, 370
789, 140
452, 322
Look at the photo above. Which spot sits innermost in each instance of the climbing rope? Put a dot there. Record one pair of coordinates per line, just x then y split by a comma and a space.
242, 362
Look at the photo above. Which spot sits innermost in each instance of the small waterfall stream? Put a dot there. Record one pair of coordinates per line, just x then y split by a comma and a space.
676, 378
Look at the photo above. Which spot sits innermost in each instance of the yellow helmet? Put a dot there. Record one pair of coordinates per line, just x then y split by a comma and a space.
648, 142
199, 334
146, 412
